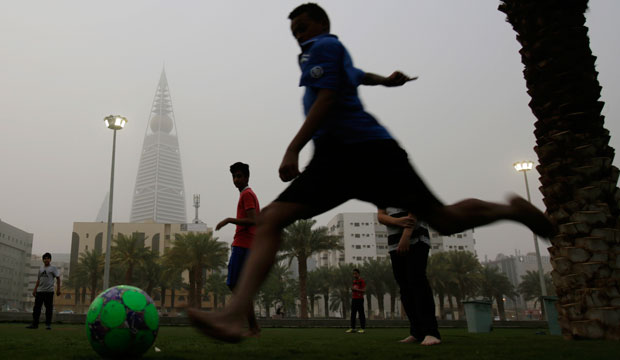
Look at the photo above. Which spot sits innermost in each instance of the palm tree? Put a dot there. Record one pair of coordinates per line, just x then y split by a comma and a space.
494, 285
391, 287
151, 271
376, 273
90, 265
196, 252
216, 285
273, 289
465, 270
324, 273
440, 278
529, 287
315, 286
579, 181
128, 252
341, 279
170, 279
77, 280
300, 241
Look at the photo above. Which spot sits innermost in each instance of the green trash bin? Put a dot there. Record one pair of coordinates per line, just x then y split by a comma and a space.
551, 311
479, 316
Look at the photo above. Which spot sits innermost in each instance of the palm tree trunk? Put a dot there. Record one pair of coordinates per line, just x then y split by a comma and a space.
381, 306
192, 287
579, 182
369, 302
451, 306
326, 304
500, 307
302, 267
199, 286
163, 297
345, 305
442, 313
128, 274
84, 295
392, 304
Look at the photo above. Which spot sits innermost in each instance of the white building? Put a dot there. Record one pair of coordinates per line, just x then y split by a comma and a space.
362, 237
463, 241
159, 195
15, 250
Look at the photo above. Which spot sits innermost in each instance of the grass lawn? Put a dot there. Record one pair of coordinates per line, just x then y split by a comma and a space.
69, 342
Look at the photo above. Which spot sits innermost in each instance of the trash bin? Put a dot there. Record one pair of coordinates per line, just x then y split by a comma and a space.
552, 314
479, 316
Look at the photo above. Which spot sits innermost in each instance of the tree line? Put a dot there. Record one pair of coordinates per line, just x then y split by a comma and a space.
455, 276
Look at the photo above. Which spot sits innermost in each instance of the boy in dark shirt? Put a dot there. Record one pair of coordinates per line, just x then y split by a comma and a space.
347, 139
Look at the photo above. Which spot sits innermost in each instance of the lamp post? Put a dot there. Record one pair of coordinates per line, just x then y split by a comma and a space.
525, 166
114, 122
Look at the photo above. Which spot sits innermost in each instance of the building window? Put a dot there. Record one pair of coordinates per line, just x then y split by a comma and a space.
357, 235
460, 248
356, 224
358, 247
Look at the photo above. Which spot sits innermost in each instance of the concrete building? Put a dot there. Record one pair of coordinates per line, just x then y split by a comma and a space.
15, 251
91, 235
517, 265
463, 241
363, 237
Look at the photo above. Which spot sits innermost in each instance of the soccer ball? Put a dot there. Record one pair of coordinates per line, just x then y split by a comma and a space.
122, 321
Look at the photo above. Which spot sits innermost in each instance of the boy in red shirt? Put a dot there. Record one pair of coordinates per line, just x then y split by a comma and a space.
247, 211
357, 303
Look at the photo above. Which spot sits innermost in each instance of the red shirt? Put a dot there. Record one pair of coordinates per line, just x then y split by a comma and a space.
359, 284
245, 234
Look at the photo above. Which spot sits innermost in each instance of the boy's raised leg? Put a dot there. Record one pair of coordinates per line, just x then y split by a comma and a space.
471, 213
227, 325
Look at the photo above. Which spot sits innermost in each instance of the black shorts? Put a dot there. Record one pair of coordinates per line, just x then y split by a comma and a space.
375, 171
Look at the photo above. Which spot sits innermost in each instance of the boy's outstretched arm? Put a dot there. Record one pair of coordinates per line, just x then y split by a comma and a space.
289, 168
397, 78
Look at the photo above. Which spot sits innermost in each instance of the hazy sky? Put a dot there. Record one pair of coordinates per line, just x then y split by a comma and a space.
232, 72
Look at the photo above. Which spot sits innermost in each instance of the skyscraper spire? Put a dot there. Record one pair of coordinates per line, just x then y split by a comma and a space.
159, 195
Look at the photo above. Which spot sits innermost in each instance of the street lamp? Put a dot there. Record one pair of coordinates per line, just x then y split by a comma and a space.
525, 166
114, 122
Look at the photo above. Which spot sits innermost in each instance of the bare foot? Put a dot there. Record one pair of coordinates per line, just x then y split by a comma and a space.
252, 333
220, 326
430, 340
531, 217
409, 339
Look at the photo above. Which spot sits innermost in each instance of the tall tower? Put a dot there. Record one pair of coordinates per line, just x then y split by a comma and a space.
159, 195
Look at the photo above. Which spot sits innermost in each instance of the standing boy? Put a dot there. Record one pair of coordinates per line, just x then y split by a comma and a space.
408, 245
44, 292
347, 139
357, 302
247, 210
